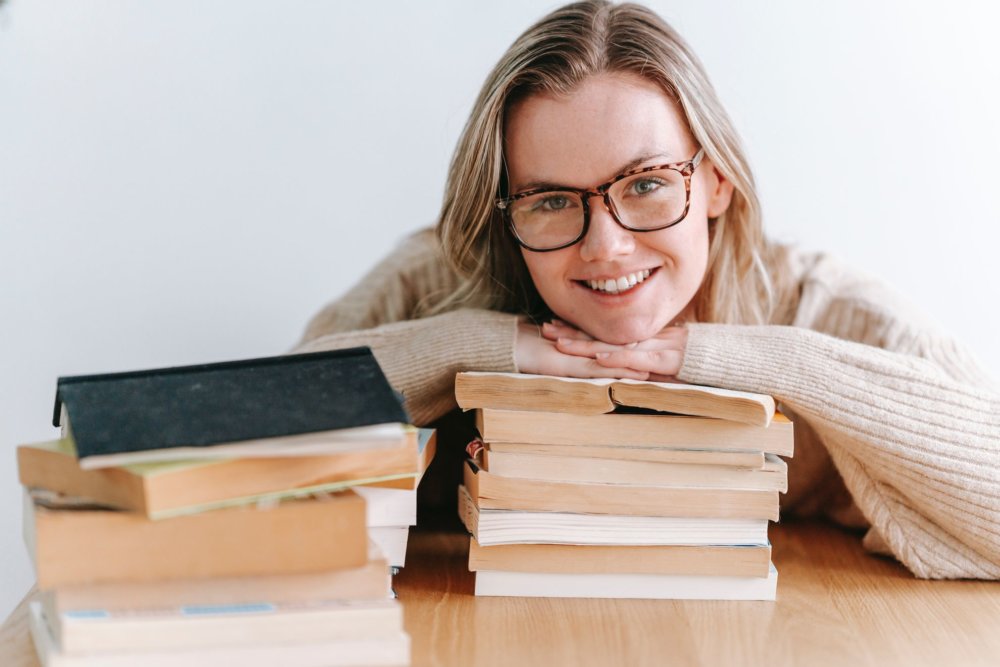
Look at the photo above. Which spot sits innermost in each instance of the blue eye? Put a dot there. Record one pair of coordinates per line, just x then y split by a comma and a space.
556, 203
645, 186
552, 203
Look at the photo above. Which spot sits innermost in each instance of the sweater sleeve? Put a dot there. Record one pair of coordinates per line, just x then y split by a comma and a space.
420, 355
914, 432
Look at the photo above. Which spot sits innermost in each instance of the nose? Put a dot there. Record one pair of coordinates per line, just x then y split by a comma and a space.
605, 239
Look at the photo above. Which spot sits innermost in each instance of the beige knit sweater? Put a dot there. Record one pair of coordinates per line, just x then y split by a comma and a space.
897, 430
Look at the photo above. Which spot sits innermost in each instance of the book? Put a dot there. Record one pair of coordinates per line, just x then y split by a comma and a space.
426, 448
773, 476
497, 526
392, 541
368, 581
389, 650
732, 561
735, 457
319, 443
388, 507
72, 542
634, 430
205, 626
593, 396
288, 402
393, 506
630, 586
496, 492
175, 487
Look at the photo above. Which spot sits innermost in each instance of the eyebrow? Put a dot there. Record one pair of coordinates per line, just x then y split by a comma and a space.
540, 184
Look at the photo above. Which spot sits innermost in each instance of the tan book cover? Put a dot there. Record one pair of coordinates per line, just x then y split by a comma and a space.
369, 581
490, 491
390, 648
625, 586
157, 489
736, 458
212, 627
491, 527
549, 393
772, 476
165, 489
84, 545
634, 430
743, 561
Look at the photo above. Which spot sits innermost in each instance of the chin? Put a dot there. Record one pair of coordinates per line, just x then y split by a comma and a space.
622, 333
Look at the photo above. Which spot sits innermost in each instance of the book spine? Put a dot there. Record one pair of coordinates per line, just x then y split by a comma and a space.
110, 546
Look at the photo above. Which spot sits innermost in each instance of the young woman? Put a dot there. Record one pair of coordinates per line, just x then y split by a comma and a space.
600, 219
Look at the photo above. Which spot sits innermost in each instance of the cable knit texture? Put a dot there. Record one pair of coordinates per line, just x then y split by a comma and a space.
897, 427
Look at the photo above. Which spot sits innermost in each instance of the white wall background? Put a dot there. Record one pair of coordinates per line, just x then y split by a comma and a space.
184, 181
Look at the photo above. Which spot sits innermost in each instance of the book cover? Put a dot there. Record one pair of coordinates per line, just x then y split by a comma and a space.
370, 581
170, 488
390, 650
75, 543
634, 430
772, 476
736, 458
493, 527
211, 404
721, 560
589, 396
210, 625
495, 492
632, 586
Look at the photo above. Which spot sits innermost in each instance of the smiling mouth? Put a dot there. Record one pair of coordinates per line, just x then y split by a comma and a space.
618, 285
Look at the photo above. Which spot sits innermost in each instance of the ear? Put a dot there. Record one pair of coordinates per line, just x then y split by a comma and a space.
720, 193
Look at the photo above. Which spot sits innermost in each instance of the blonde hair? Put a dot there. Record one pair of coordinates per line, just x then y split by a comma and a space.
554, 56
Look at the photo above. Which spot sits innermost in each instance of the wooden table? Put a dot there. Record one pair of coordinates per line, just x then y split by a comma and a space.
836, 605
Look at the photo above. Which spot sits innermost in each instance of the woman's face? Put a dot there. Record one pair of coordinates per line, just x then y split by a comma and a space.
611, 123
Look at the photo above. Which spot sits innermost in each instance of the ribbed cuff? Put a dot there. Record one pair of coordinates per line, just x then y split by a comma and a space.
734, 357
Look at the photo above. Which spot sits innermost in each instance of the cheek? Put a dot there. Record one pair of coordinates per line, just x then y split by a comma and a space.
549, 271
545, 269
696, 252
685, 246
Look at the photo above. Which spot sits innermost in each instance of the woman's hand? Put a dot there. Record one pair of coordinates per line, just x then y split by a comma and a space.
660, 357
537, 353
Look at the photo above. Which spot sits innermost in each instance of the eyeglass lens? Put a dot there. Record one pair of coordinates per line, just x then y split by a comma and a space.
648, 200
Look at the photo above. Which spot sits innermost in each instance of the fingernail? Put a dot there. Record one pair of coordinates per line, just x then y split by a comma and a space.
603, 355
564, 341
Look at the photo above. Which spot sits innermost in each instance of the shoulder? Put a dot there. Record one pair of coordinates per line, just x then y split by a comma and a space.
844, 301
417, 266
419, 249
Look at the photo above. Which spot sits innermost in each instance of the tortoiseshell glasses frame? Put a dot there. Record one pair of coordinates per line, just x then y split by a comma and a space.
685, 169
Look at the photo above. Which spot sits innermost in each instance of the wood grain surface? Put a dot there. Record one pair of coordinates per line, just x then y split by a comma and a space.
837, 605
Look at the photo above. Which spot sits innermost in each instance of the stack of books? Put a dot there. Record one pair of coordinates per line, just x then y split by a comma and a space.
212, 514
620, 488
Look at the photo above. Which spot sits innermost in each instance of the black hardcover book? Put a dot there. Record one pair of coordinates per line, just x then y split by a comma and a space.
210, 404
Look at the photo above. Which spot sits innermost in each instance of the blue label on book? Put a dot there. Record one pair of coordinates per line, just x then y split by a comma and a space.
87, 613
208, 609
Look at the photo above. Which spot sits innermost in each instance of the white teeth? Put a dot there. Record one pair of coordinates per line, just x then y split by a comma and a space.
616, 285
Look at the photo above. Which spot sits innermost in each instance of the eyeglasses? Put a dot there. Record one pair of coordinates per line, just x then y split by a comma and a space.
646, 199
